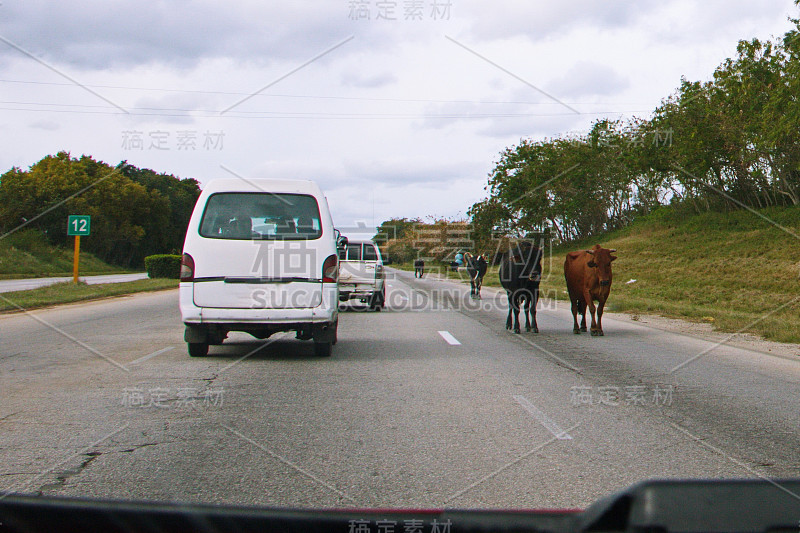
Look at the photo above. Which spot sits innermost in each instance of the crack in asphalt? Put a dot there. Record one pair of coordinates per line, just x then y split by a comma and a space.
138, 446
9, 416
210, 380
62, 478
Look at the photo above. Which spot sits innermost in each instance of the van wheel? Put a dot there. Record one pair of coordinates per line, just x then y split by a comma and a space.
323, 349
218, 339
198, 349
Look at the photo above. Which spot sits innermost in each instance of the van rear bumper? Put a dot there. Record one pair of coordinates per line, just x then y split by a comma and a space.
326, 312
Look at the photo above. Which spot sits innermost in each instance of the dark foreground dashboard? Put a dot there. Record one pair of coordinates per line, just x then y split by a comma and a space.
651, 506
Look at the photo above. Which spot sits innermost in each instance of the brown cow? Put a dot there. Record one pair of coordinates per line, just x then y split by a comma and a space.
588, 275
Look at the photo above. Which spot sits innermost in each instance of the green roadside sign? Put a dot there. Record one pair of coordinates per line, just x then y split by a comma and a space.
78, 225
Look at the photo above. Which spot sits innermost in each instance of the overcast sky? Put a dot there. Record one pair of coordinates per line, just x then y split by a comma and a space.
395, 107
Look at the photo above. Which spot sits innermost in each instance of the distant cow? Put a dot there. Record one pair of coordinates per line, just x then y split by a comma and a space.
476, 268
520, 273
588, 275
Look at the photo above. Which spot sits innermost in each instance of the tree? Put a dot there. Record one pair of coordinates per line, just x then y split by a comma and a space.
395, 229
728, 142
130, 218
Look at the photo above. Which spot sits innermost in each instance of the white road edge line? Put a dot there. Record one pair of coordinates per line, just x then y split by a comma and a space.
149, 356
534, 411
452, 341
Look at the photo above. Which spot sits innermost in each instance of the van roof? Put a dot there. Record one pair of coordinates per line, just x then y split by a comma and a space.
262, 185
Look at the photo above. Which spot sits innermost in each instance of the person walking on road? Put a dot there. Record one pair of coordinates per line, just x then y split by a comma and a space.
419, 267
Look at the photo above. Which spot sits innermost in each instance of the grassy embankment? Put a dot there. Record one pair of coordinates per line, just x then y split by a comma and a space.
26, 254
737, 270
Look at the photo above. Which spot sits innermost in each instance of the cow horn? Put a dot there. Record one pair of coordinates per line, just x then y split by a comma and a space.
590, 252
611, 251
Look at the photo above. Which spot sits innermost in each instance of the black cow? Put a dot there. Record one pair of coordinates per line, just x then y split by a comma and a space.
520, 274
476, 268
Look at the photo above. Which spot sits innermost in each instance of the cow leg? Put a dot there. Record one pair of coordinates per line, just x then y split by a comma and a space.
592, 309
510, 308
582, 311
533, 303
478, 284
526, 298
600, 306
516, 299
575, 309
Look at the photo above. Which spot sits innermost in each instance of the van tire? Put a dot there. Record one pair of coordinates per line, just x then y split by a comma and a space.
323, 349
198, 349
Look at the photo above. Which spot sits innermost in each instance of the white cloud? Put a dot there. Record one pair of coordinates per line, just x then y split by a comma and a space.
588, 79
539, 21
101, 34
355, 79
48, 125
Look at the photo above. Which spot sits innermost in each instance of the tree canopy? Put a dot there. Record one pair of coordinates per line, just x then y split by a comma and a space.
727, 143
135, 212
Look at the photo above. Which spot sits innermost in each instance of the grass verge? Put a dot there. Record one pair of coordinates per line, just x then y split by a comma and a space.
62, 293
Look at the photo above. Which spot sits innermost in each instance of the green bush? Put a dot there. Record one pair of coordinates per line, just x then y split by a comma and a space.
163, 266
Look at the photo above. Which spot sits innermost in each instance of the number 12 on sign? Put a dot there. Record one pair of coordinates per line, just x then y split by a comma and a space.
78, 225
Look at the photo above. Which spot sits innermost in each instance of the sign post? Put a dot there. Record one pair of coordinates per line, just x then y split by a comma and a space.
78, 225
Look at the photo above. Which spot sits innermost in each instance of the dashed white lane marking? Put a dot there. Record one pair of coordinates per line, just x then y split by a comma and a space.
449, 338
149, 356
534, 411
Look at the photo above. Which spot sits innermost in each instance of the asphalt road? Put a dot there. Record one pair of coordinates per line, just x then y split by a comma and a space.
10, 285
430, 403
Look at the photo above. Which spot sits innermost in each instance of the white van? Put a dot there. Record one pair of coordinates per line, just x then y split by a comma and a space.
260, 256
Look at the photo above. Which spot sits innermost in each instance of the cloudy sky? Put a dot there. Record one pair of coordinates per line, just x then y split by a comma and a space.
395, 107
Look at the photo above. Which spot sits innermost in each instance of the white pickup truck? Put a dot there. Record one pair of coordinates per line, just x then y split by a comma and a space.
361, 274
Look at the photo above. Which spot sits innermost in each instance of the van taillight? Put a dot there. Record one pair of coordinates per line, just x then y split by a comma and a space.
187, 268
330, 269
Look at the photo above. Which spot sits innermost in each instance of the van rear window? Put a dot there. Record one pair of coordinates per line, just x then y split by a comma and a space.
272, 216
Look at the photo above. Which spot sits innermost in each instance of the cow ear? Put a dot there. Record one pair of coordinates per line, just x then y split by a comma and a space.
612, 257
591, 264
